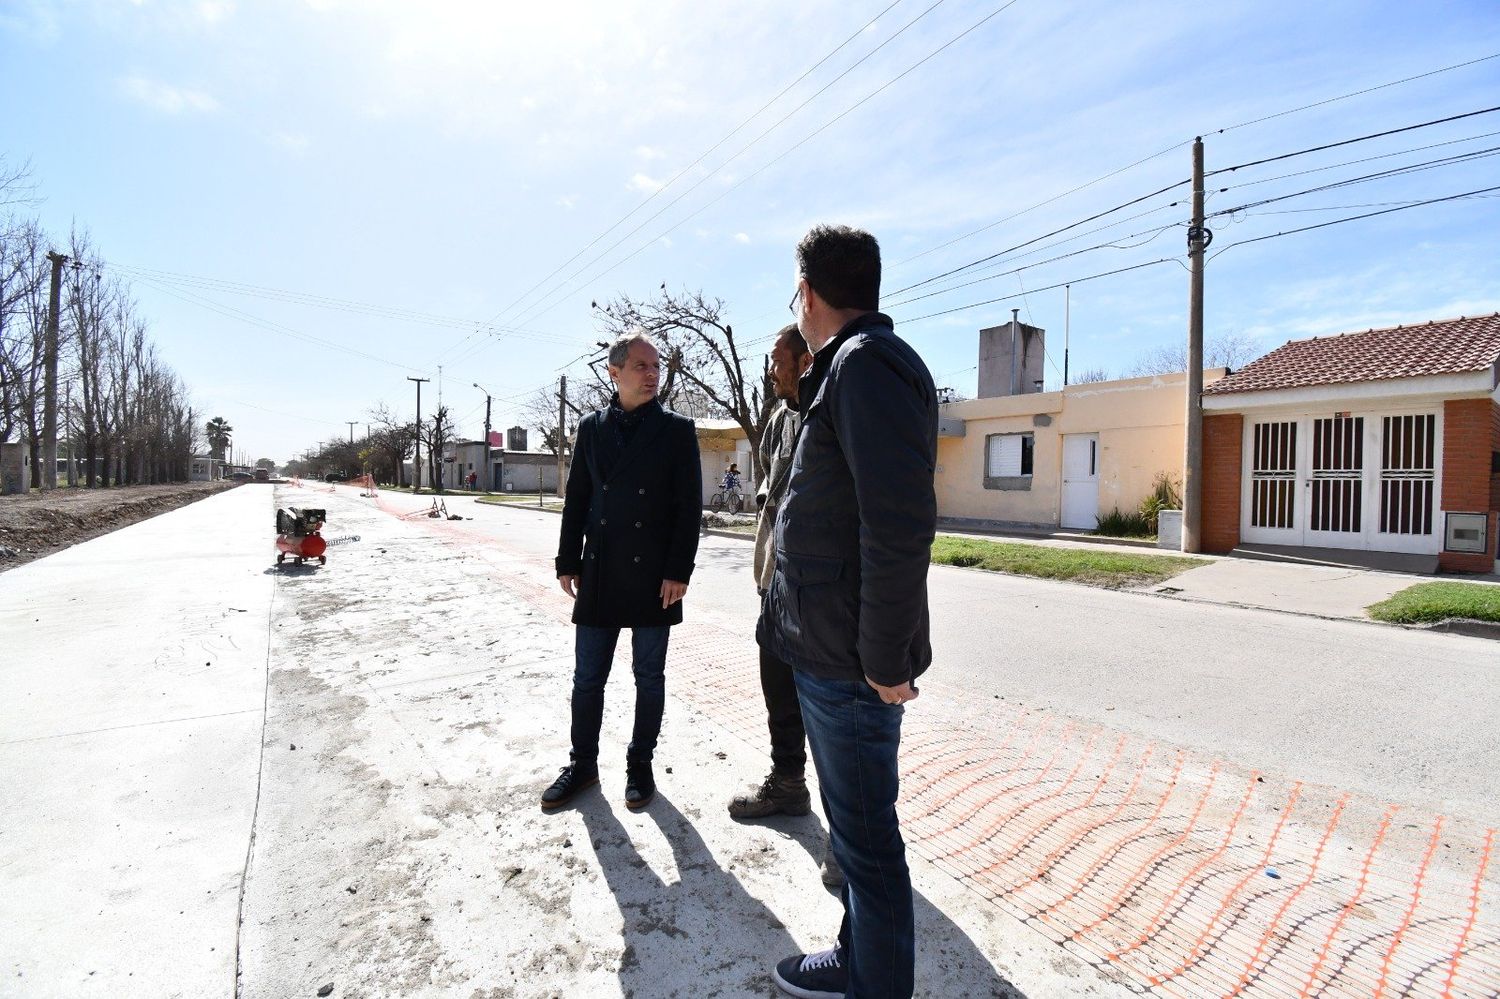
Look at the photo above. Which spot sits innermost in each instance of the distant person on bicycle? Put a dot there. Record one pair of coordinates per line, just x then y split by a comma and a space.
731, 482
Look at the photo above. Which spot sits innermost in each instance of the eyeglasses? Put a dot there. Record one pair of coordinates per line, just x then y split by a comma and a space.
796, 300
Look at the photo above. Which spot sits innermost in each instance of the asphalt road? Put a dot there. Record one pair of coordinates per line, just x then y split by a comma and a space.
1400, 715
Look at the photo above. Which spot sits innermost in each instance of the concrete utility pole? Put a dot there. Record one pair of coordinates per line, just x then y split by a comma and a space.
49, 375
416, 460
562, 431
351, 429
1192, 464
488, 465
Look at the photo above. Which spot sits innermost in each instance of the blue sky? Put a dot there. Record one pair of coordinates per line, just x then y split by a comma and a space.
433, 162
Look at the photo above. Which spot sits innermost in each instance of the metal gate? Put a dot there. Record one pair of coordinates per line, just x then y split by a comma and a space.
1407, 469
1337, 476
1273, 476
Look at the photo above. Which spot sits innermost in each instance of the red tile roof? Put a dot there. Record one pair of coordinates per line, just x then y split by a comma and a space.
1440, 347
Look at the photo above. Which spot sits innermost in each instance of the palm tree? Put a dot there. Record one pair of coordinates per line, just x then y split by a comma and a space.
218, 435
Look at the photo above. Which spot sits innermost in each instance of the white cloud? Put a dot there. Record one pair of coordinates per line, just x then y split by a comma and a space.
166, 98
293, 142
214, 11
741, 238
640, 182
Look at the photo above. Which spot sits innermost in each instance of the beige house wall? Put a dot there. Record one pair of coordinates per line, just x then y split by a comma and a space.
1140, 426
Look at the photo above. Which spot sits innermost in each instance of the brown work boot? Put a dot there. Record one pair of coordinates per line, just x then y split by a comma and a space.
783, 794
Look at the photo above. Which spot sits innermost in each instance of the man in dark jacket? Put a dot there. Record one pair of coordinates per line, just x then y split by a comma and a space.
629, 536
847, 604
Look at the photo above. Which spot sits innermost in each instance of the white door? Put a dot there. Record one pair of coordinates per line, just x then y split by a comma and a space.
1337, 513
1271, 499
1080, 491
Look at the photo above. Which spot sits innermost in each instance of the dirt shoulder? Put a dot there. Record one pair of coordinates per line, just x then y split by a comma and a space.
39, 523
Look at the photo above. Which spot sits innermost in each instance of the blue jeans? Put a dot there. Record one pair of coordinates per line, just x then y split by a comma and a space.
594, 650
854, 738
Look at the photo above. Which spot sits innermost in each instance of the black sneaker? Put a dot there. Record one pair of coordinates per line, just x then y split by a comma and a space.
575, 778
784, 794
813, 976
640, 785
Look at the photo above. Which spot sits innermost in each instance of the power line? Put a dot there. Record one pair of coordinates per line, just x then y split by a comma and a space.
1361, 138
1361, 93
1379, 175
1050, 260
1362, 159
1050, 287
727, 136
1168, 149
1355, 218
245, 317
787, 152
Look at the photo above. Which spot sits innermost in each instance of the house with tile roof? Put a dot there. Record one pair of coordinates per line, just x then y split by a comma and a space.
1385, 440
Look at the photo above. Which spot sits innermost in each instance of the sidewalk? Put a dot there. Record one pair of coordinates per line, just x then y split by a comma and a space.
132, 677
1308, 588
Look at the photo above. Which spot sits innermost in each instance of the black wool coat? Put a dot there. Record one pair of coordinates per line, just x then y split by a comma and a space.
631, 519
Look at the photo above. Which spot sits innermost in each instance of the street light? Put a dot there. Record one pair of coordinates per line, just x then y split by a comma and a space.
488, 468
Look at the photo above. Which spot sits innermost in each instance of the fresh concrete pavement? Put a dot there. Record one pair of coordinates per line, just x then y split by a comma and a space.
422, 678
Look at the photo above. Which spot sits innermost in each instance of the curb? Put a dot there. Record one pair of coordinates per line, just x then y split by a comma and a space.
1462, 626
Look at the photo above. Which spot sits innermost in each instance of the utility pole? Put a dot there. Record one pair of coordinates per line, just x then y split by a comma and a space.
49, 376
351, 429
1192, 464
1067, 327
416, 460
562, 430
488, 465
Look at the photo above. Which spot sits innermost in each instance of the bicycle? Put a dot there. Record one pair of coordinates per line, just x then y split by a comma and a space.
733, 500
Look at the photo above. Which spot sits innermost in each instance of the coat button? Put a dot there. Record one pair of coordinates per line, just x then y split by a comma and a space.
638, 523
641, 491
637, 558
602, 522
606, 487
591, 555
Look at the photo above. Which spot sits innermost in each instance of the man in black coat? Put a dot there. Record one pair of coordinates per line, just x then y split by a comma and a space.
847, 604
629, 536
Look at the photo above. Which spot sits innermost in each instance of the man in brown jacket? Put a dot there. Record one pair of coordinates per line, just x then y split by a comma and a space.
784, 791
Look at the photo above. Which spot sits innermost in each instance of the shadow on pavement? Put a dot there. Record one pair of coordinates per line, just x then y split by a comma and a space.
706, 935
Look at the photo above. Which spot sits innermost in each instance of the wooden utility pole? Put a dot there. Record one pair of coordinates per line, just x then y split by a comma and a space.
562, 431
1192, 464
416, 447
49, 375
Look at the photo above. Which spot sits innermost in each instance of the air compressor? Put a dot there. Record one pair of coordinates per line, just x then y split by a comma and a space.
298, 534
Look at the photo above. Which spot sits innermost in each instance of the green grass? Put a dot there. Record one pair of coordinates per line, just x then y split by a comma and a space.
515, 499
1115, 570
1427, 603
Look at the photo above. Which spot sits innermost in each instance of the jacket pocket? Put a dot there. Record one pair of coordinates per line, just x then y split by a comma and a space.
821, 606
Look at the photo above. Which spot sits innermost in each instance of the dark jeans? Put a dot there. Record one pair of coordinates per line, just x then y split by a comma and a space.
594, 649
854, 737
784, 716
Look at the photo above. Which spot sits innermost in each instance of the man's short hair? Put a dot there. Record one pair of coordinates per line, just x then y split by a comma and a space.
619, 351
842, 264
795, 341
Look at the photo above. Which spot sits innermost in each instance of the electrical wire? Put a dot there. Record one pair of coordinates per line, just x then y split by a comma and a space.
787, 152
727, 136
1050, 287
1347, 142
1355, 218
1356, 162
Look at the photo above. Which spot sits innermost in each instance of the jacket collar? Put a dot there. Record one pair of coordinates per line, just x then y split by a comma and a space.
812, 379
653, 419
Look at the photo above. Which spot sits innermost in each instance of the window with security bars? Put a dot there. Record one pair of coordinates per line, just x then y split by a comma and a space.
1408, 467
1273, 475
1338, 475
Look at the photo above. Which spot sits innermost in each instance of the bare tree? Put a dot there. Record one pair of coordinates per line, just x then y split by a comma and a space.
701, 353
1231, 349
1090, 376
391, 443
